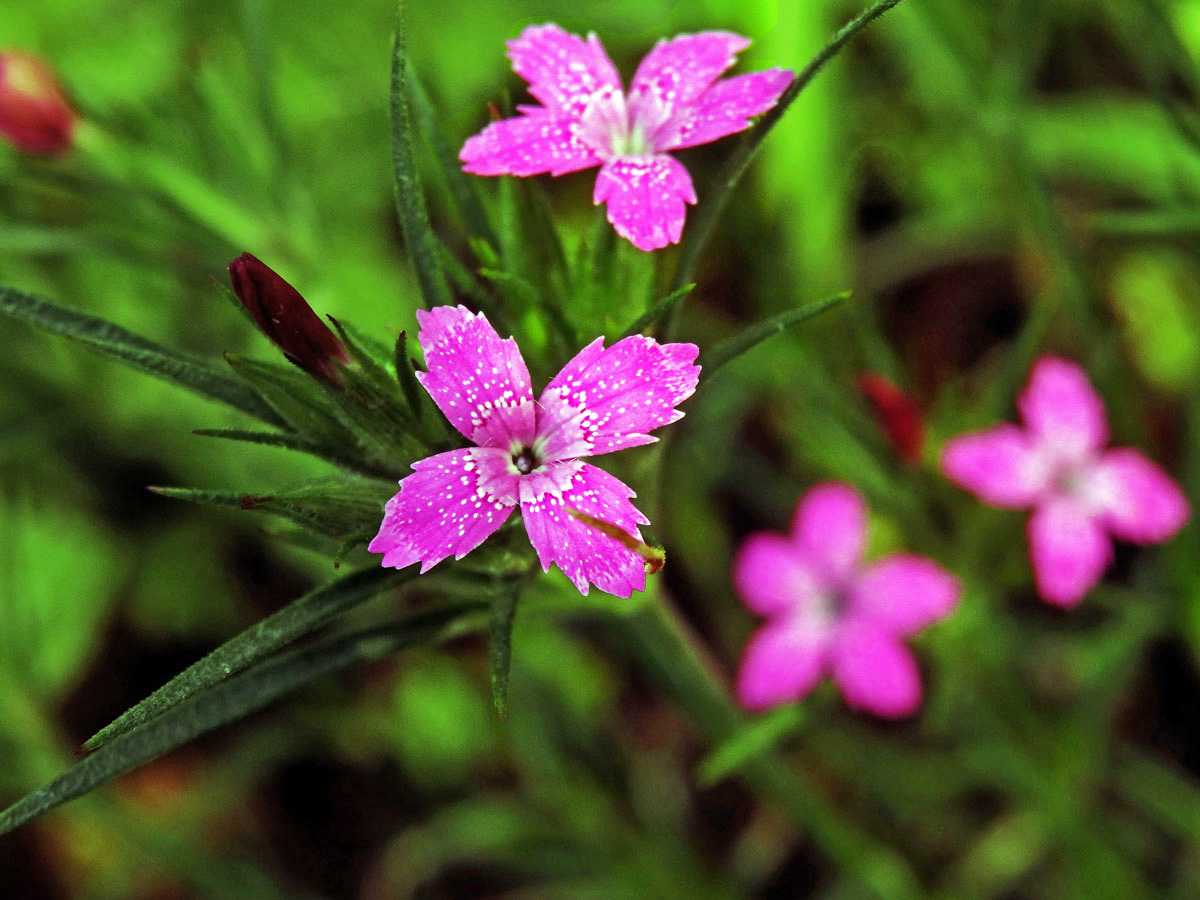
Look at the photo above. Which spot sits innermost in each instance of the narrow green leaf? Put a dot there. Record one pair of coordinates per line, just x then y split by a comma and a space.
750, 742
462, 188
232, 700
334, 507
369, 353
514, 287
254, 644
700, 229
295, 442
377, 418
410, 202
658, 310
751, 337
406, 375
196, 374
296, 399
504, 613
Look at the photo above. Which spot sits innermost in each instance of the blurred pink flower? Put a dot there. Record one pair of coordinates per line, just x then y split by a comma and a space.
827, 611
1080, 493
529, 453
35, 115
674, 101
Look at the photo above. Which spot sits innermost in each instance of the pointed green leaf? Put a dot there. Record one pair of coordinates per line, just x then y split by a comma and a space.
410, 202
504, 612
295, 442
254, 644
751, 741
232, 700
334, 507
296, 398
658, 310
407, 377
462, 188
196, 374
751, 337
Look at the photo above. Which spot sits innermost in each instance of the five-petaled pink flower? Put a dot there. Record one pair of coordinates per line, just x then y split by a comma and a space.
1080, 493
826, 610
529, 453
674, 101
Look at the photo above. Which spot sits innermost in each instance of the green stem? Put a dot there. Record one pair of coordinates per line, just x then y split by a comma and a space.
735, 165
661, 642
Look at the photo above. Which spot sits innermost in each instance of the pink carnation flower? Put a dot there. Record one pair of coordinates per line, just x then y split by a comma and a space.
529, 453
826, 611
586, 119
1080, 493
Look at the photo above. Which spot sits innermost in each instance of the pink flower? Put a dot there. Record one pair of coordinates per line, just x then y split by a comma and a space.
825, 610
586, 119
1080, 493
35, 115
529, 453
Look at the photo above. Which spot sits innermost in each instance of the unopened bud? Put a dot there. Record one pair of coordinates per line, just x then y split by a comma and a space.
898, 415
285, 317
35, 115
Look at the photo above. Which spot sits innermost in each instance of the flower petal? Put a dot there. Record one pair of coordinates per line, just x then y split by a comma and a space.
477, 380
1138, 500
830, 530
608, 399
563, 70
1069, 550
449, 505
875, 671
645, 197
770, 576
781, 664
677, 71
903, 593
585, 554
528, 144
999, 466
1060, 406
725, 108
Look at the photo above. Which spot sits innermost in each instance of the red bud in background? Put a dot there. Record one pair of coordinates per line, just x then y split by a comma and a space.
286, 318
898, 415
35, 115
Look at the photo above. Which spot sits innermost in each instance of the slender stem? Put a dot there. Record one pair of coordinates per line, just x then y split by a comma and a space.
735, 165
661, 642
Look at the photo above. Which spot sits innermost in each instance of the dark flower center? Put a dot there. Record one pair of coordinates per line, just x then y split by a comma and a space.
525, 461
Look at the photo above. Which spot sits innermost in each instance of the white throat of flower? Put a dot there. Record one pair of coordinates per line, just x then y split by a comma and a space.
613, 126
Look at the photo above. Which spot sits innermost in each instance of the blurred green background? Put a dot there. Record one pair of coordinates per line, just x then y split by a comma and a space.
993, 180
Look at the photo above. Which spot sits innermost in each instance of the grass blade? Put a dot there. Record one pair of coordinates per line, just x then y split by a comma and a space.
254, 644
410, 202
141, 353
462, 188
235, 698
504, 613
701, 228
751, 337
659, 310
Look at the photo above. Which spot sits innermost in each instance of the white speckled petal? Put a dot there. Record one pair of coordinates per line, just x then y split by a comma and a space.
610, 399
645, 197
528, 144
725, 108
563, 69
478, 380
679, 70
585, 554
449, 505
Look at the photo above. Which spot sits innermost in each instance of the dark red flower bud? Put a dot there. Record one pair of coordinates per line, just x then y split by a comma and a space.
286, 318
898, 414
35, 115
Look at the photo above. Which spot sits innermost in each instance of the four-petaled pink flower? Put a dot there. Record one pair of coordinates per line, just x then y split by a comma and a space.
825, 610
529, 453
1080, 493
674, 101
